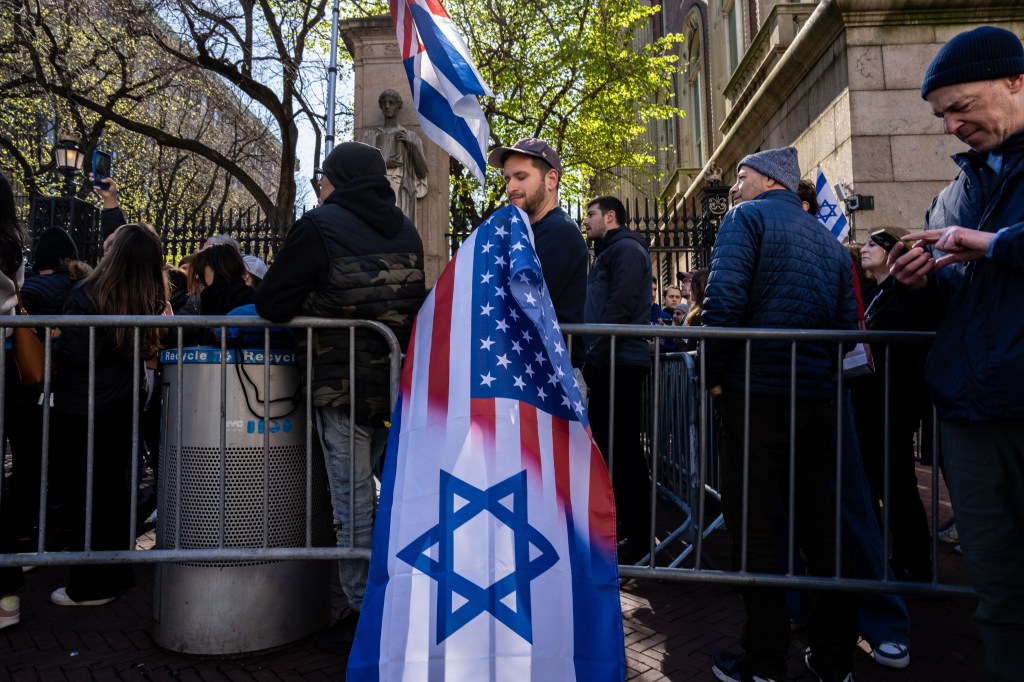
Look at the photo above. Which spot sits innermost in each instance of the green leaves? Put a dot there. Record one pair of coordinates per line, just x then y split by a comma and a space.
573, 73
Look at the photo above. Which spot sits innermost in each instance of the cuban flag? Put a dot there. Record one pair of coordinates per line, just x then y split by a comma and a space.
829, 212
444, 82
494, 545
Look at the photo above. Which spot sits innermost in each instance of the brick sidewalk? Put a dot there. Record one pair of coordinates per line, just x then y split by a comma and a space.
671, 631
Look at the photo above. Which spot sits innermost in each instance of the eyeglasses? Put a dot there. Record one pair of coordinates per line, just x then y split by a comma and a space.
318, 175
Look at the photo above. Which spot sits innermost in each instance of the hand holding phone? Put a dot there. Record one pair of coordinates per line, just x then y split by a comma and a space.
885, 239
101, 162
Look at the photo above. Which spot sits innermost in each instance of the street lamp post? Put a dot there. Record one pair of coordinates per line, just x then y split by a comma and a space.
71, 214
69, 158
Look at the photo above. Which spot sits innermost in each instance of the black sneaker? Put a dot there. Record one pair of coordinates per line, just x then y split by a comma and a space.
733, 668
338, 637
822, 674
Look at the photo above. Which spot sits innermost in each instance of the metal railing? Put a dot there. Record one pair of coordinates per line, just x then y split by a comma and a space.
697, 522
689, 451
43, 557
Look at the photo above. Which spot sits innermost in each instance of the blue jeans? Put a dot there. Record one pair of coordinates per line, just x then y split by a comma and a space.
332, 426
985, 476
882, 617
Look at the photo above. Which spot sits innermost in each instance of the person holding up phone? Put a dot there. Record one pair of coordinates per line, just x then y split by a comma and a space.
111, 215
975, 285
101, 163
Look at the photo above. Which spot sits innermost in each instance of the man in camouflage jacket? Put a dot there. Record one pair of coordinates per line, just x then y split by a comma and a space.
355, 257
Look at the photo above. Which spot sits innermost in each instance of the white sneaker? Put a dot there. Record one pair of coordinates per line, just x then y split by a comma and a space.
60, 598
891, 654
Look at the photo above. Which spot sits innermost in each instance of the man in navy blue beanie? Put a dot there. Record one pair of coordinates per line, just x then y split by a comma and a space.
972, 280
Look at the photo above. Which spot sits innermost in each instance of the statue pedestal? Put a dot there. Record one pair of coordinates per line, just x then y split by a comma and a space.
378, 66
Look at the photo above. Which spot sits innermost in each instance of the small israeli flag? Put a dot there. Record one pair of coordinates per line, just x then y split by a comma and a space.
829, 211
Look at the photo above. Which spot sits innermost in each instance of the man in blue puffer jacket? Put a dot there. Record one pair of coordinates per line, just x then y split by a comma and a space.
774, 266
975, 285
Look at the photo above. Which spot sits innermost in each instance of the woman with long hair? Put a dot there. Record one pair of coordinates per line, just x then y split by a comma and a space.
217, 272
908, 523
12, 274
698, 282
129, 280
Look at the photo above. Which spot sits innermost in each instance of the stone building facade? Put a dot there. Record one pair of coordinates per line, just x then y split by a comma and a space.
838, 79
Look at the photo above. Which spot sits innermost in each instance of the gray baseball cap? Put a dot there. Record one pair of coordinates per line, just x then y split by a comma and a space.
530, 146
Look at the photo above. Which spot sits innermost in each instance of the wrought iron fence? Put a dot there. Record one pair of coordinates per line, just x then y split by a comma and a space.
679, 234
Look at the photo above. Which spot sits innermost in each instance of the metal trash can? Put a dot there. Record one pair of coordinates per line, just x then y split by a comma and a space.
221, 608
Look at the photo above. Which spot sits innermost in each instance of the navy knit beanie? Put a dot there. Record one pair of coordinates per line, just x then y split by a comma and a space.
982, 54
780, 165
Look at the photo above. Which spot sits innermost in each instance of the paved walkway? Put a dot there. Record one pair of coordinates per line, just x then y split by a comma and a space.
671, 631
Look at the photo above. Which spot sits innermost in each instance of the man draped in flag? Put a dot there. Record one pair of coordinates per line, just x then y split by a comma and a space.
444, 81
829, 212
494, 545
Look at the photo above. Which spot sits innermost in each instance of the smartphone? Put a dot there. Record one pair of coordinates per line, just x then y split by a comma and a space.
885, 239
101, 168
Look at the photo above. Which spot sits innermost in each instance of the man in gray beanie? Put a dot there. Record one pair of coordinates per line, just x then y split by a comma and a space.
967, 269
774, 266
355, 256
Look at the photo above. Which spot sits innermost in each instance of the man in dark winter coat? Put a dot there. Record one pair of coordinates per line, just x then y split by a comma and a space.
774, 266
619, 292
973, 283
355, 257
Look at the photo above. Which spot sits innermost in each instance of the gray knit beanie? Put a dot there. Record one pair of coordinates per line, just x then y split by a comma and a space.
983, 54
780, 165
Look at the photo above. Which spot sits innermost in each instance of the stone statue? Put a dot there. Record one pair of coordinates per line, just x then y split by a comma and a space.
713, 175
403, 153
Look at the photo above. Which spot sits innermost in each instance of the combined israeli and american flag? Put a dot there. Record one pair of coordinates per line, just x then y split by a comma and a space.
444, 81
494, 544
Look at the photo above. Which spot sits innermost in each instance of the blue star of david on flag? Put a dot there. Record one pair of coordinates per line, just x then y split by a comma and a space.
828, 212
478, 600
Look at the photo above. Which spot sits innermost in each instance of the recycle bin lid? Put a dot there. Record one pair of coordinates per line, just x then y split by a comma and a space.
210, 355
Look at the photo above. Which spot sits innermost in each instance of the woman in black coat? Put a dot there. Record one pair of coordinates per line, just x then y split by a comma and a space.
129, 280
908, 404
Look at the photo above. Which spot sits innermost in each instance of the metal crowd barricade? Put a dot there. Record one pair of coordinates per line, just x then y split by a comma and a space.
678, 468
673, 452
234, 511
678, 450
222, 552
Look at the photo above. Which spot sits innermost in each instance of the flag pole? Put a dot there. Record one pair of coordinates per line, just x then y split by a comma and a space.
332, 78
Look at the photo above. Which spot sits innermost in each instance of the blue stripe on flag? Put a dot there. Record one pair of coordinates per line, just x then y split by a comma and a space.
445, 56
593, 645
434, 107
